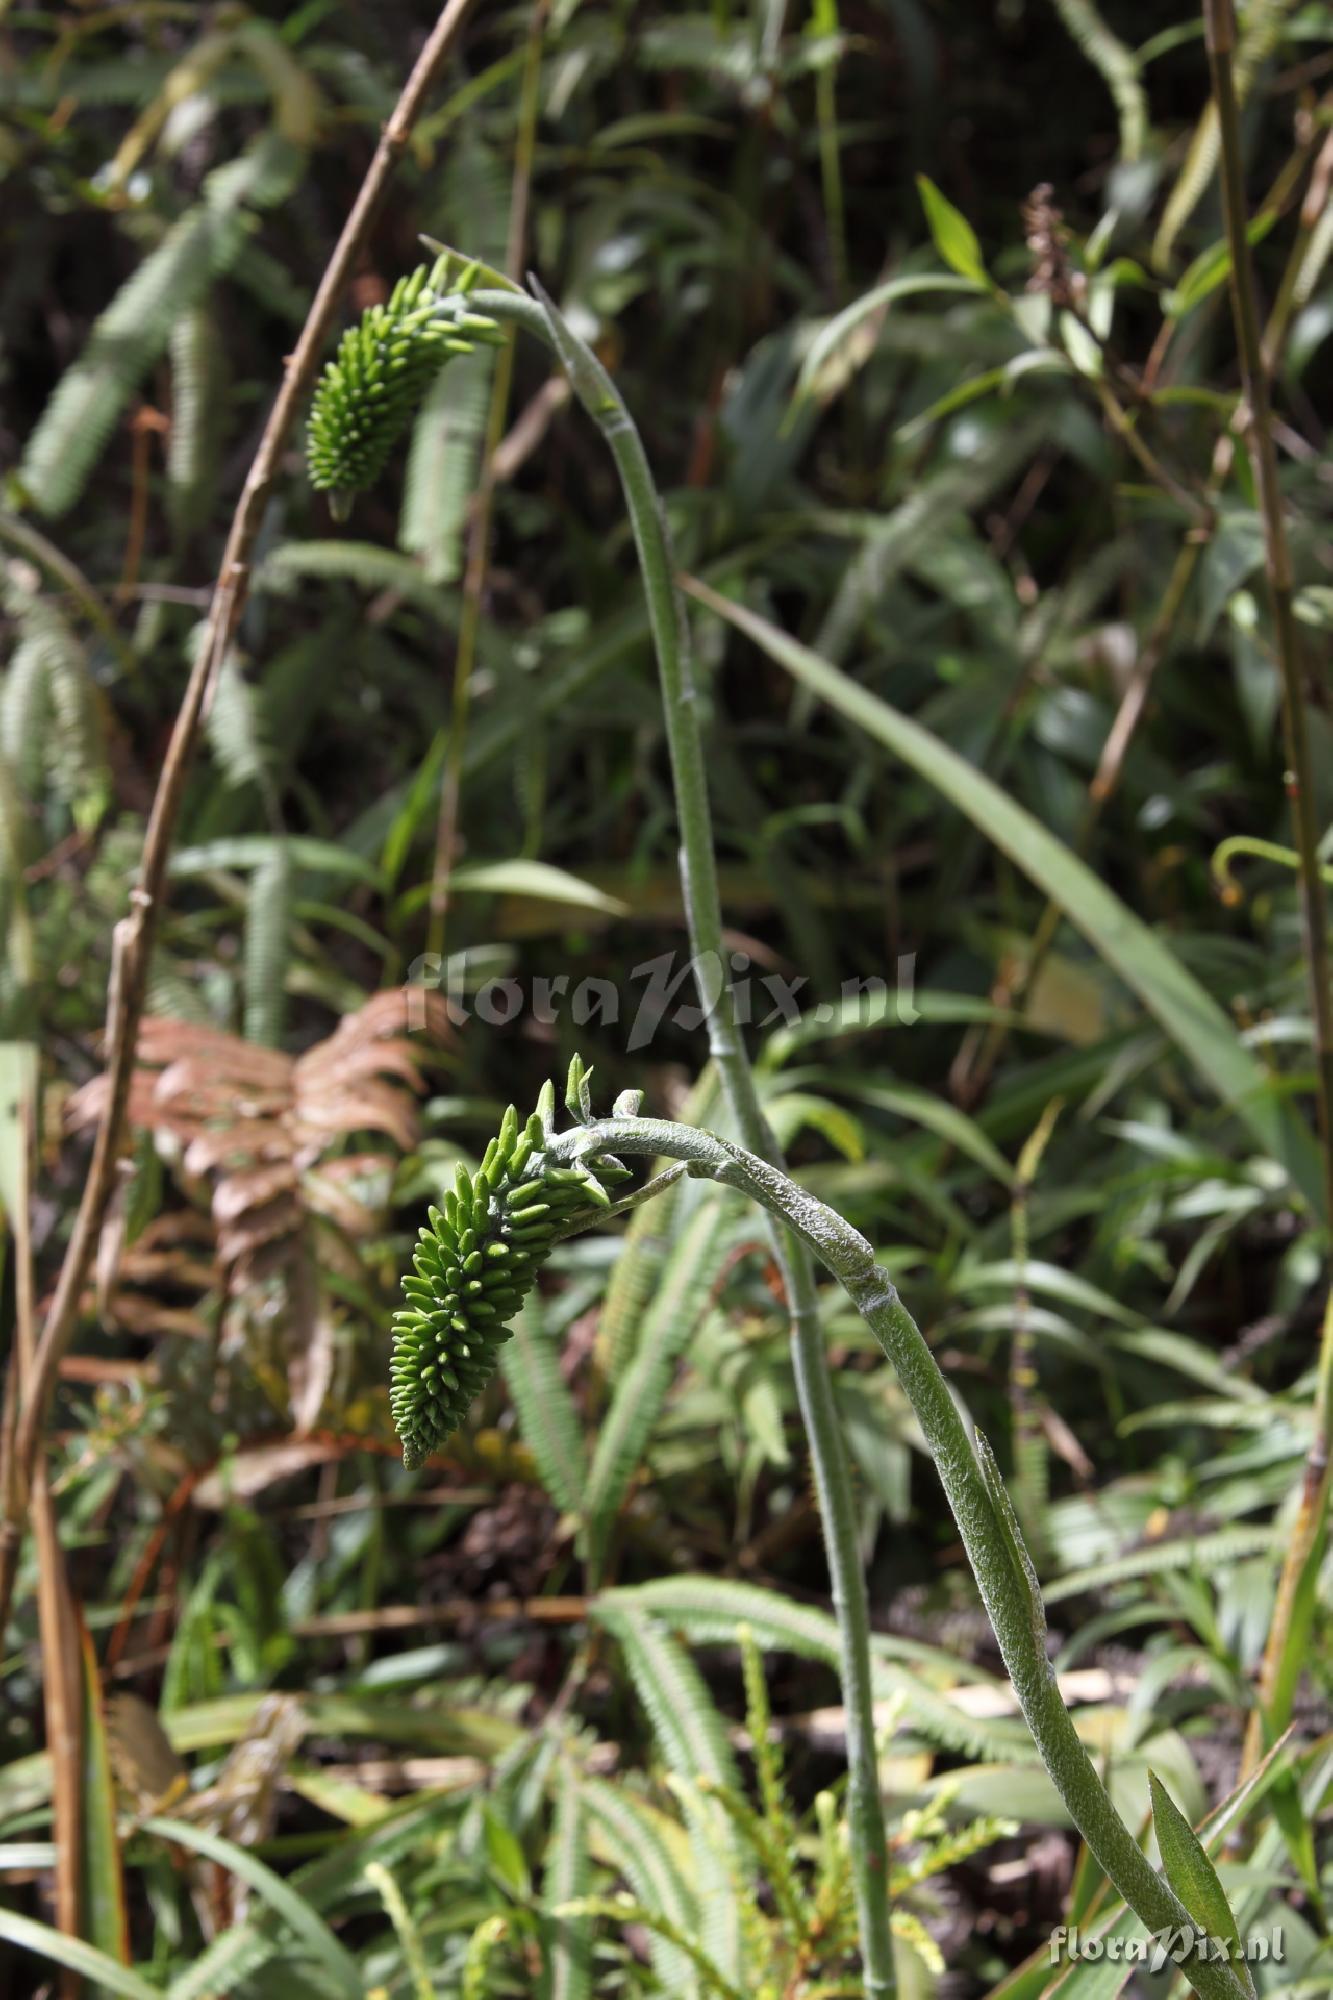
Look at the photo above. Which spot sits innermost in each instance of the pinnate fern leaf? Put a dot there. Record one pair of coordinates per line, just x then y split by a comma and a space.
134, 330
546, 1413
268, 919
683, 1292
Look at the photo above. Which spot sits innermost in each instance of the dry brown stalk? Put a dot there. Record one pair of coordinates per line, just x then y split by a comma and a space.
133, 938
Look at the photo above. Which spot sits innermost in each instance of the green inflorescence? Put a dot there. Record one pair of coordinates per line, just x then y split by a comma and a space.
475, 1262
384, 365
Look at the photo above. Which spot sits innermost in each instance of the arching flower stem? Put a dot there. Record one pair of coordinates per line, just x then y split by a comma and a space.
972, 1485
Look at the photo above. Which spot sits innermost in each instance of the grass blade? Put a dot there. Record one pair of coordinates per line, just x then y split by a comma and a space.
1192, 1018
77, 1956
343, 1972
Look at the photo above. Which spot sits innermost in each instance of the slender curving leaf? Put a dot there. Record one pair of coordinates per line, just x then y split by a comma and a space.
340, 1967
1192, 1018
43, 1942
1192, 1875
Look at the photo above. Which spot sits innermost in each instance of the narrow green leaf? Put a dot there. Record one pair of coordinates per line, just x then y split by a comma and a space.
1193, 1876
505, 1855
341, 1968
955, 238
253, 850
43, 1942
1217, 1551
824, 370
104, 1915
1185, 1010
323, 1885
534, 878
692, 1740
18, 1086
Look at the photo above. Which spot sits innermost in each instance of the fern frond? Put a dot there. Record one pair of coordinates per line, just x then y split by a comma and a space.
235, 725
689, 1731
383, 366
133, 331
473, 1265
692, 1741
546, 1414
567, 1877
1118, 67
442, 467
196, 398
263, 176
684, 1287
708, 1609
364, 564
268, 922
25, 709
124, 344
639, 1843
50, 717
1259, 34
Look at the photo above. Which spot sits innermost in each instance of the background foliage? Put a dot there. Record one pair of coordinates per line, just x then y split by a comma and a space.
922, 310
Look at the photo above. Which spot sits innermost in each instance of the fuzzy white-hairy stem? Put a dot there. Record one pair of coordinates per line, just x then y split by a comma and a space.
986, 1522
698, 873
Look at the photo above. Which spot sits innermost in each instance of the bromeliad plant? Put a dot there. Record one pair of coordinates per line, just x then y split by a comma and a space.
485, 1247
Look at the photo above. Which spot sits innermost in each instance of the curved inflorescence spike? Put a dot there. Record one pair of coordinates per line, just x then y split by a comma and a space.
473, 1266
384, 365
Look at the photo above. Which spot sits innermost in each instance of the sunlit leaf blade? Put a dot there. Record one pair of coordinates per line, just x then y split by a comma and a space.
1193, 1876
105, 1918
955, 238
44, 1943
1193, 1019
289, 1904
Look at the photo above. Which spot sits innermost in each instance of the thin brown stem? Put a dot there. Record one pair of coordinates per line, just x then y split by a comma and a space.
479, 522
133, 938
1220, 34
1281, 1656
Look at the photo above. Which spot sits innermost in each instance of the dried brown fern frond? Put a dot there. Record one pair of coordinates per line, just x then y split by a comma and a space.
261, 1127
263, 1134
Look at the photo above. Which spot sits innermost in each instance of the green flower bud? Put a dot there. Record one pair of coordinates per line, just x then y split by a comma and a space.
473, 1267
369, 392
